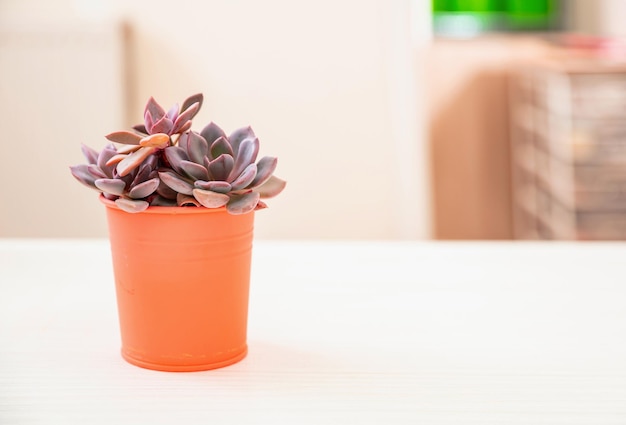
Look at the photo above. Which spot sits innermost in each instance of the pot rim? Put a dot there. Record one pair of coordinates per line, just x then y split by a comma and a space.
154, 209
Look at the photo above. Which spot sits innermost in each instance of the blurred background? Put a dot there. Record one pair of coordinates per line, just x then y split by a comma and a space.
403, 119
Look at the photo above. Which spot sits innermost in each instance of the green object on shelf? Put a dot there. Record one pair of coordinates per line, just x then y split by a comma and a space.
480, 5
466, 18
531, 14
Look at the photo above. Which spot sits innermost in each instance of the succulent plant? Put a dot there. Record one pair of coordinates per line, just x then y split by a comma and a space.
165, 163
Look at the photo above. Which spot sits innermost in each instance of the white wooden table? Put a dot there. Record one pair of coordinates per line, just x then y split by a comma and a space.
339, 333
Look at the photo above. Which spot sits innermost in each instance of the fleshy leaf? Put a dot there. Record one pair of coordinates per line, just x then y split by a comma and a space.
165, 191
128, 149
211, 132
151, 162
220, 168
105, 155
124, 137
195, 171
239, 135
185, 117
176, 183
157, 140
265, 168
172, 114
112, 186
184, 128
95, 171
183, 142
210, 199
260, 206
156, 111
272, 187
140, 128
219, 147
175, 155
241, 204
186, 200
81, 174
245, 178
247, 154
164, 125
142, 175
90, 154
197, 147
144, 189
214, 186
148, 121
196, 98
133, 160
131, 205
115, 159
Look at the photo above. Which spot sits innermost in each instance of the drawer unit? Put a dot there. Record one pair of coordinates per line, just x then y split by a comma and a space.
568, 150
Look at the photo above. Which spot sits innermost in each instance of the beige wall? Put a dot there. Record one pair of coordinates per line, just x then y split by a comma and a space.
319, 83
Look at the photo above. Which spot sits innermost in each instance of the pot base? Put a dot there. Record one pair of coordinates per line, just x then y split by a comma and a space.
185, 368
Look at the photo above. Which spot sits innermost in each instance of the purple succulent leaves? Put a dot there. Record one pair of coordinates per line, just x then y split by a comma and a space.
196, 98
211, 132
166, 192
220, 146
112, 186
141, 128
194, 171
197, 147
96, 168
248, 151
265, 169
103, 158
272, 187
145, 189
154, 110
131, 205
82, 174
187, 201
163, 125
174, 121
220, 168
156, 140
134, 160
238, 136
245, 178
211, 199
174, 156
214, 186
90, 154
206, 169
176, 183
242, 204
124, 137
185, 118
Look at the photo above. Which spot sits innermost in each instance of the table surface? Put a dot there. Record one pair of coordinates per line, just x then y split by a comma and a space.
339, 332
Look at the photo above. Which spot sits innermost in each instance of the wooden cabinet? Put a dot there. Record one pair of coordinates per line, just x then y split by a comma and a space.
468, 130
568, 149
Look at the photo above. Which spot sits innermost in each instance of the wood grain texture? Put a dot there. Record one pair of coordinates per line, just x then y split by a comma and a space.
403, 333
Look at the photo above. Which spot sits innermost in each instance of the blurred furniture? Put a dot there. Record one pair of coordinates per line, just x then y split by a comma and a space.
466, 18
482, 333
468, 129
568, 139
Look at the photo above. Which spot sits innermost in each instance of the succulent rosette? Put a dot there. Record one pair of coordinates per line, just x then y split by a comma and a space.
162, 162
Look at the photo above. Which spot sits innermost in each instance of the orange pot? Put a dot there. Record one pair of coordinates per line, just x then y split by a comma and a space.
182, 278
